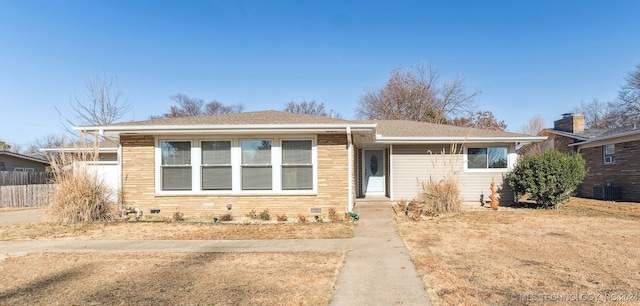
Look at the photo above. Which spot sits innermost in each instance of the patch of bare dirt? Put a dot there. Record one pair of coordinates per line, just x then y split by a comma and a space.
175, 230
169, 279
586, 251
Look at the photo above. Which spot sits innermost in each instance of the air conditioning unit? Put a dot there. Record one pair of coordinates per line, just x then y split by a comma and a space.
608, 192
608, 160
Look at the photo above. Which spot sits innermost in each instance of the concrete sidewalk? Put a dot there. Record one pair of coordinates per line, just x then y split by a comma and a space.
377, 269
23, 216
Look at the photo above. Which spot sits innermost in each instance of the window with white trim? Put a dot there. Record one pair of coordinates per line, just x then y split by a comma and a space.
176, 165
609, 154
257, 172
297, 166
487, 158
216, 170
18, 169
236, 165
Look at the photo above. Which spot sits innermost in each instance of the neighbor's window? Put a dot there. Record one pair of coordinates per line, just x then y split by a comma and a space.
18, 169
487, 158
609, 152
216, 165
256, 164
176, 165
297, 165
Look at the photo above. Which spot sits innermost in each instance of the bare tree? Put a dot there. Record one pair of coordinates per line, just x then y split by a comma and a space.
310, 107
533, 126
187, 106
4, 146
417, 94
49, 141
217, 108
481, 120
102, 103
629, 94
603, 115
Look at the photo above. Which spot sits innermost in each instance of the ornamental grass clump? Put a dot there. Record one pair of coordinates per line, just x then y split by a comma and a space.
443, 195
81, 195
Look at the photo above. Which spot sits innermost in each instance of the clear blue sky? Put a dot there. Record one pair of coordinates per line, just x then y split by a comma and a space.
527, 57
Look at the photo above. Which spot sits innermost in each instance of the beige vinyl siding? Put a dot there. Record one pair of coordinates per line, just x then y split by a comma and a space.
411, 165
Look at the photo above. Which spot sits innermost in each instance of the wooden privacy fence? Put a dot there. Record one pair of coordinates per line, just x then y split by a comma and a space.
38, 195
10, 178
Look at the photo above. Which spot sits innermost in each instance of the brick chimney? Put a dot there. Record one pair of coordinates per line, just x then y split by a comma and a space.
571, 123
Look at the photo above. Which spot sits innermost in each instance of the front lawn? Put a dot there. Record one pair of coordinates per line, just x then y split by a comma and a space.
587, 250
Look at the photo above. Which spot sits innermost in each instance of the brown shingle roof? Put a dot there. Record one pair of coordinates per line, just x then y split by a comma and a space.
405, 128
262, 117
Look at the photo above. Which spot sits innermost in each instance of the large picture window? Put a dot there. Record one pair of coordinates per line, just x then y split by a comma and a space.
256, 164
216, 165
236, 165
487, 158
297, 165
176, 165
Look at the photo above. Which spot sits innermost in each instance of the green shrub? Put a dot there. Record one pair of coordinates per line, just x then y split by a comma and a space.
265, 215
549, 178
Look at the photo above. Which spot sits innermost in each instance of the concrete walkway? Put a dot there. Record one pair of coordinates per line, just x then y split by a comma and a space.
377, 269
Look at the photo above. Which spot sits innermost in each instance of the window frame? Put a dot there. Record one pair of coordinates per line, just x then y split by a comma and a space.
161, 166
236, 165
283, 165
244, 165
487, 169
605, 155
203, 165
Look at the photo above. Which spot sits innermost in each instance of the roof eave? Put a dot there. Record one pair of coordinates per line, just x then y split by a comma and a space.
605, 138
227, 129
428, 140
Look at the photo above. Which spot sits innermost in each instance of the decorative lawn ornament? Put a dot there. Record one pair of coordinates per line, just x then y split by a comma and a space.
494, 202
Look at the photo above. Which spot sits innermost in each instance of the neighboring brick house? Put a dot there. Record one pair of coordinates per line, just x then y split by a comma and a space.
611, 157
298, 164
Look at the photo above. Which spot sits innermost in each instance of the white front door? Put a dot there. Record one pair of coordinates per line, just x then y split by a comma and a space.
373, 172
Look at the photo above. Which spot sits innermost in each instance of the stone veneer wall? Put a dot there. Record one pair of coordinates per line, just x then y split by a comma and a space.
624, 173
138, 179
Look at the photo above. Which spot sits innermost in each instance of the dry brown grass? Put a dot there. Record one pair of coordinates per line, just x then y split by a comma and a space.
169, 279
587, 249
173, 230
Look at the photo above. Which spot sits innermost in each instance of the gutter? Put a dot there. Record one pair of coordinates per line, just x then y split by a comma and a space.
431, 140
349, 170
603, 138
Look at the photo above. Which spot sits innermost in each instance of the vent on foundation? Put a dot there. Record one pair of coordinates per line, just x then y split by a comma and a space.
315, 210
154, 211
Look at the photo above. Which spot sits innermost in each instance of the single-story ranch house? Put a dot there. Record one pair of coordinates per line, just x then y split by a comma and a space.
298, 164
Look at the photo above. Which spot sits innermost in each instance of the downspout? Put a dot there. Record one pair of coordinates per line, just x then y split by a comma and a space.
350, 170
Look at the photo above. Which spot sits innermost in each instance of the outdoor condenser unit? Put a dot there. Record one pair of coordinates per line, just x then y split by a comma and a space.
608, 192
